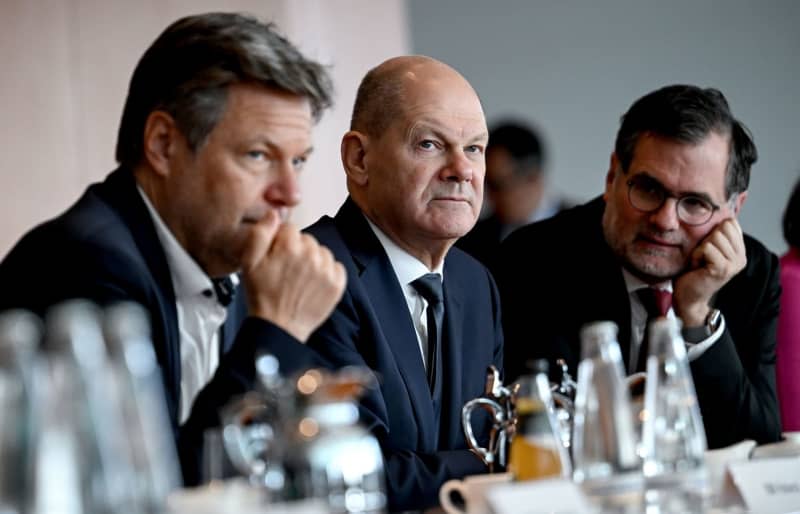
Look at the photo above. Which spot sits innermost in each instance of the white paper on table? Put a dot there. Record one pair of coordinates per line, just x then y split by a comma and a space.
787, 448
549, 496
769, 486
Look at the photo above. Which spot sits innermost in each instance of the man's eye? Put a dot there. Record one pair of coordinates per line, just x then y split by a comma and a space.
649, 187
695, 204
257, 154
474, 149
427, 144
299, 162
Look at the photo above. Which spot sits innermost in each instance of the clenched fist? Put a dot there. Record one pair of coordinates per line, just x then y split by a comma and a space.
291, 280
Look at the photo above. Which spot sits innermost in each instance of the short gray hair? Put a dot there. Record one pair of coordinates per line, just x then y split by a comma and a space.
188, 68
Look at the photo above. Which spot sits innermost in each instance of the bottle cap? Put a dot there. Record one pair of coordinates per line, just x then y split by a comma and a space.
537, 366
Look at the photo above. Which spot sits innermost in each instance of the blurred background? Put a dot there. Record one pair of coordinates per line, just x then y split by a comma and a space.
569, 68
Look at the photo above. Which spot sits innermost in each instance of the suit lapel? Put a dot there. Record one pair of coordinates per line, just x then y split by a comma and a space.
120, 191
389, 303
605, 290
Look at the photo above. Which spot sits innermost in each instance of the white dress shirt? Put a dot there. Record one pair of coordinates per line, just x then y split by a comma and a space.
200, 315
639, 320
408, 268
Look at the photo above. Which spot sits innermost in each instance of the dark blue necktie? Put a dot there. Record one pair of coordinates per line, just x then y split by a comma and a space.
429, 286
224, 290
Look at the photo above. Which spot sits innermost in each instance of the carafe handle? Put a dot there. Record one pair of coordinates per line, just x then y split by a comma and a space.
495, 454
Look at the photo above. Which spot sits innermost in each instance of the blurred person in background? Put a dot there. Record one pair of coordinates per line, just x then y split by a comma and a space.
516, 188
663, 240
215, 129
788, 368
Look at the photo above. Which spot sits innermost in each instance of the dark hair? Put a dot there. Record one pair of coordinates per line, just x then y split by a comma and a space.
689, 114
791, 218
523, 145
188, 68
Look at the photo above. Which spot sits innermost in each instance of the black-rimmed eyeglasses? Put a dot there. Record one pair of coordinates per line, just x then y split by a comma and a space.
647, 195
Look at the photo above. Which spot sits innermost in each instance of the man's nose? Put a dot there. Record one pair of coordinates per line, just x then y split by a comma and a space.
460, 168
284, 190
666, 216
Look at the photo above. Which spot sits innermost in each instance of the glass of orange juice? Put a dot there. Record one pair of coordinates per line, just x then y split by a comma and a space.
536, 450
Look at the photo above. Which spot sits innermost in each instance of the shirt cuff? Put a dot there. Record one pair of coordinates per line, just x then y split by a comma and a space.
695, 350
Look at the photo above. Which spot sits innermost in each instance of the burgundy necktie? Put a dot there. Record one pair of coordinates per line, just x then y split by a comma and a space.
657, 303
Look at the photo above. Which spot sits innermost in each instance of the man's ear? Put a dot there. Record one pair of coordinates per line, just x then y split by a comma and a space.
354, 154
737, 205
160, 137
613, 169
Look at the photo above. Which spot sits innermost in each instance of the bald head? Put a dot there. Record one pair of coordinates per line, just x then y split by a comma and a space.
414, 156
385, 89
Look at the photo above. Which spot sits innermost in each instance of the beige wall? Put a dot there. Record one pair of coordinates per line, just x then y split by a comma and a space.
66, 66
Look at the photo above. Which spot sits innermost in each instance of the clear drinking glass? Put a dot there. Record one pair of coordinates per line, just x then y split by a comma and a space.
673, 437
75, 345
604, 440
20, 332
156, 473
216, 466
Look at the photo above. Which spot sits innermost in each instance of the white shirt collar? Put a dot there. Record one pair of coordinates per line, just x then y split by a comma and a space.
188, 279
407, 267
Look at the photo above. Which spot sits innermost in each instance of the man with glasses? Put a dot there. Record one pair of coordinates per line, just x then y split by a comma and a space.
662, 240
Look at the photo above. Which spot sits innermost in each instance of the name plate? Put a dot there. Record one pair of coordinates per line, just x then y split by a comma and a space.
551, 496
768, 486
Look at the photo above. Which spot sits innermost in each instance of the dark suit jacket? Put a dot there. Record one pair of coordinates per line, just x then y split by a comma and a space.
483, 241
420, 433
105, 248
557, 275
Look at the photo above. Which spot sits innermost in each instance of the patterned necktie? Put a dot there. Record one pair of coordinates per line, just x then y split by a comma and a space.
657, 303
429, 286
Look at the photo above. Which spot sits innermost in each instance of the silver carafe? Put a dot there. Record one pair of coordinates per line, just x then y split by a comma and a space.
564, 403
498, 400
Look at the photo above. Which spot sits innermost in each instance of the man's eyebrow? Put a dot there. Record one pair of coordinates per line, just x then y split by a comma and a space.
272, 145
680, 194
483, 136
426, 126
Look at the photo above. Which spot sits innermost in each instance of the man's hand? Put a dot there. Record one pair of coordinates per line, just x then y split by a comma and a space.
291, 280
719, 257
